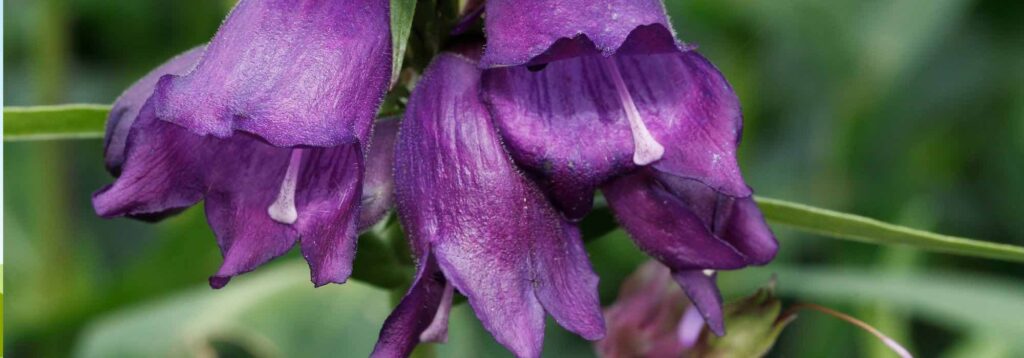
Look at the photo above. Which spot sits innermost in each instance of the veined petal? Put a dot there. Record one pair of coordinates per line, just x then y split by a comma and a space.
162, 170
291, 72
127, 106
168, 167
665, 227
379, 183
738, 221
328, 203
577, 122
518, 31
415, 314
496, 238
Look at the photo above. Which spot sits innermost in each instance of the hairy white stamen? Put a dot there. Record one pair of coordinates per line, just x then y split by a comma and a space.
646, 150
283, 209
709, 272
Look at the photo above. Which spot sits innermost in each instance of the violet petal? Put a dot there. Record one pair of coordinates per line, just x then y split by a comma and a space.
291, 72
570, 124
415, 314
664, 226
738, 221
379, 183
126, 107
520, 30
496, 237
701, 289
167, 167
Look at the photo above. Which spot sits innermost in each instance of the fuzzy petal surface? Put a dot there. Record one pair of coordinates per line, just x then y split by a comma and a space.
291, 72
496, 238
127, 106
520, 30
415, 314
379, 183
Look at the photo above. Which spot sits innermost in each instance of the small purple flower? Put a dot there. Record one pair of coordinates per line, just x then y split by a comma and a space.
270, 124
477, 224
599, 94
652, 318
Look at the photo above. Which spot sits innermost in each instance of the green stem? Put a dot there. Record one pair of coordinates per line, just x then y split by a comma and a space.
858, 228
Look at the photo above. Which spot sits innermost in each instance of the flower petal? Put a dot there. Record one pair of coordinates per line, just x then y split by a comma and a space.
328, 203
167, 168
496, 238
703, 291
291, 72
162, 170
415, 314
570, 125
248, 181
566, 284
520, 30
665, 227
126, 107
738, 221
379, 183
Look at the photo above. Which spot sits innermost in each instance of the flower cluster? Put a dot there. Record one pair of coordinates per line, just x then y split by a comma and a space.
500, 152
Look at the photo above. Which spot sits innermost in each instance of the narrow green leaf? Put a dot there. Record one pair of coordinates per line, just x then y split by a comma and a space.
55, 122
401, 25
858, 228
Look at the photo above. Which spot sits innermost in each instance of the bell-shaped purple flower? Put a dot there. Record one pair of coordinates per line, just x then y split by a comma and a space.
270, 124
477, 224
599, 94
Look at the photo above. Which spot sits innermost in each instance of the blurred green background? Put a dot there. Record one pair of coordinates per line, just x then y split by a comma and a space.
909, 111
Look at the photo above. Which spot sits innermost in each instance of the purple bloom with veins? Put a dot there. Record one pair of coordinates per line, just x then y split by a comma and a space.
600, 95
271, 125
478, 225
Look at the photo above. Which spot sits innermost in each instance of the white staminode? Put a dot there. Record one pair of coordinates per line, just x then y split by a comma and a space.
283, 209
646, 150
709, 273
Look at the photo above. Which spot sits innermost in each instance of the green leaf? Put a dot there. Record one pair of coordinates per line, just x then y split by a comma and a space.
55, 122
858, 228
401, 25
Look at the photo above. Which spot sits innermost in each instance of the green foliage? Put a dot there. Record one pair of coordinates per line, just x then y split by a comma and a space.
55, 122
834, 224
401, 25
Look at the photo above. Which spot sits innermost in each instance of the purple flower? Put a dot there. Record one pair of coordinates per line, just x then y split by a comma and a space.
477, 224
269, 124
599, 94
652, 318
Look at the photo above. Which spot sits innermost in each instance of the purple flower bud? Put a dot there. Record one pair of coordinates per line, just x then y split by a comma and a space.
269, 124
599, 94
489, 231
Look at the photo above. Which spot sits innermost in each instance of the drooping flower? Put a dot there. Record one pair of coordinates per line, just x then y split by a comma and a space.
600, 94
269, 124
475, 223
